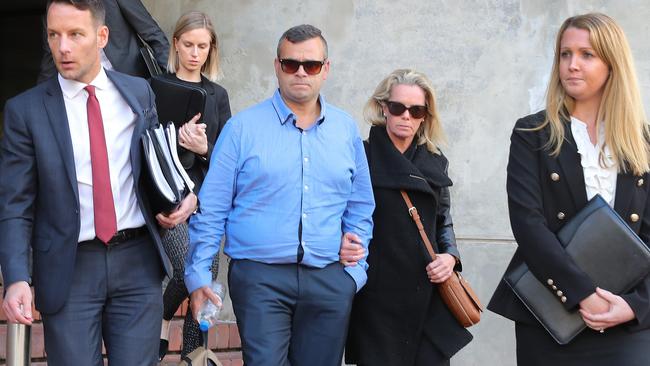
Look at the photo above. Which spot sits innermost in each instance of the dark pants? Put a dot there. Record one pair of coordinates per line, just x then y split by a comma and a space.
116, 296
616, 347
289, 314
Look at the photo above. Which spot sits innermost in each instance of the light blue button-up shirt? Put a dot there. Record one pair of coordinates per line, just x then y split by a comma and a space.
266, 176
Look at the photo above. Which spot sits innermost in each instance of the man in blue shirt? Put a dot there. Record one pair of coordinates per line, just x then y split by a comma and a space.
289, 186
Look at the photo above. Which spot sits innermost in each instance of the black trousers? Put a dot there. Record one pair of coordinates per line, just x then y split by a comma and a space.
115, 296
615, 347
290, 314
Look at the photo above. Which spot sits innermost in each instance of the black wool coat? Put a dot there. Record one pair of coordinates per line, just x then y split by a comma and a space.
399, 307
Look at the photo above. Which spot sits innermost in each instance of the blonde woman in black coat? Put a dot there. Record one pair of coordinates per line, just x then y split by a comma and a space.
591, 139
398, 317
194, 61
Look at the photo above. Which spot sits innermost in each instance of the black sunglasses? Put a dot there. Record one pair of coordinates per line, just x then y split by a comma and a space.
291, 66
397, 109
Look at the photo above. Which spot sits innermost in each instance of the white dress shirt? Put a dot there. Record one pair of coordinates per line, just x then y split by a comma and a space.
119, 122
599, 179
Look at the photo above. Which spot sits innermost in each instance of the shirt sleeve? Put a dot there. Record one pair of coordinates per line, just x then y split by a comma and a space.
357, 217
216, 196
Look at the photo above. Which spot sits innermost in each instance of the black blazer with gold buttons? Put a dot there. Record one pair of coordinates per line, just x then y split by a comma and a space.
543, 193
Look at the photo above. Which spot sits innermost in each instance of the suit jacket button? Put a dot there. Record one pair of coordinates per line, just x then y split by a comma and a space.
559, 293
560, 215
563, 298
555, 177
549, 281
639, 182
634, 217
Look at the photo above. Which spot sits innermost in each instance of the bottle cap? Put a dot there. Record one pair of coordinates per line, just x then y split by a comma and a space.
204, 325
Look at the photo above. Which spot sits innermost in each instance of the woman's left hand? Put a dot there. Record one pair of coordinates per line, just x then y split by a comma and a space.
619, 312
192, 136
441, 269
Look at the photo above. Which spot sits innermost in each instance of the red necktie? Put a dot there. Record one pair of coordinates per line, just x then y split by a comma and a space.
104, 208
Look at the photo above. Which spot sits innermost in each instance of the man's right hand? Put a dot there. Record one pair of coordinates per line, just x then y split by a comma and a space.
351, 250
17, 303
198, 297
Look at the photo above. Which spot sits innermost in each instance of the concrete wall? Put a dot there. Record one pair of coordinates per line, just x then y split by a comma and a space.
489, 62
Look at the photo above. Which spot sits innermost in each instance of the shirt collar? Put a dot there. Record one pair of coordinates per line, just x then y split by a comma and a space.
71, 88
284, 112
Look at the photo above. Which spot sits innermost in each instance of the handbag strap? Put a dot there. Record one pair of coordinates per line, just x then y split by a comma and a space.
413, 212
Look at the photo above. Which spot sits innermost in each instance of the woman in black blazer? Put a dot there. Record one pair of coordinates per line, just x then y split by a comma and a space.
398, 317
194, 60
591, 139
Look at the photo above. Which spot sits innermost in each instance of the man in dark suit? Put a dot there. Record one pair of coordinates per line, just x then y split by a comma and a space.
71, 189
126, 20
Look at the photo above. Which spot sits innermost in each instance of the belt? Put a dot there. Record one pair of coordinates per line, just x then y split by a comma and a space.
121, 236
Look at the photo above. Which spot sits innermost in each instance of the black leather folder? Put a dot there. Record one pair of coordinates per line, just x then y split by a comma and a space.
604, 247
176, 101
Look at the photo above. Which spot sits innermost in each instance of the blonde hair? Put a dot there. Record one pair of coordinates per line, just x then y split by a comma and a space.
621, 109
188, 22
430, 131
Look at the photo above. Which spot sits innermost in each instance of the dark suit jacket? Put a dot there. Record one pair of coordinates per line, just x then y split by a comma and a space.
38, 187
216, 114
543, 193
125, 20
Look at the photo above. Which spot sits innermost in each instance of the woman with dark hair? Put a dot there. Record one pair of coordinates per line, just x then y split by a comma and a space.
193, 60
591, 139
398, 317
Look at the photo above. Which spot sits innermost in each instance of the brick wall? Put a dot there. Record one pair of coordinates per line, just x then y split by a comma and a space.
223, 340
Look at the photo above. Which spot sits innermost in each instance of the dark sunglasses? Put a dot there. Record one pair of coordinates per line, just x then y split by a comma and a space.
291, 66
397, 109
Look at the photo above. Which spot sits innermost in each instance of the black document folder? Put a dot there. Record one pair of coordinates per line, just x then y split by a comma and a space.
168, 183
176, 101
604, 247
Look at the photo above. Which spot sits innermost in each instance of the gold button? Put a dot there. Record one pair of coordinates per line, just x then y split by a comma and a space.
554, 287
563, 298
561, 215
639, 182
555, 177
559, 293
549, 281
634, 217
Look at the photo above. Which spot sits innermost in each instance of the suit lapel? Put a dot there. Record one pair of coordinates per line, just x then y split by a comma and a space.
569, 160
58, 119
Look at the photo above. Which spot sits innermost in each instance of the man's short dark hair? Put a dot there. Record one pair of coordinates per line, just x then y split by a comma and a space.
302, 33
96, 8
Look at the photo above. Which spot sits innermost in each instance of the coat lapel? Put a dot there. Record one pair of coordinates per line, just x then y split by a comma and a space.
58, 119
569, 161
625, 183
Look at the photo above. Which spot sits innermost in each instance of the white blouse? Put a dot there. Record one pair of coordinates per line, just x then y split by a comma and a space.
598, 179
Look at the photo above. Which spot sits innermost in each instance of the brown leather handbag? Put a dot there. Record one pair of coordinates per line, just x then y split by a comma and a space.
455, 292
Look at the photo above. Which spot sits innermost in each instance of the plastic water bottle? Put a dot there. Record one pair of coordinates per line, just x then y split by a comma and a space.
209, 312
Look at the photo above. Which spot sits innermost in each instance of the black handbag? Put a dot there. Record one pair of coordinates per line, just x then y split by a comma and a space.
604, 247
148, 57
